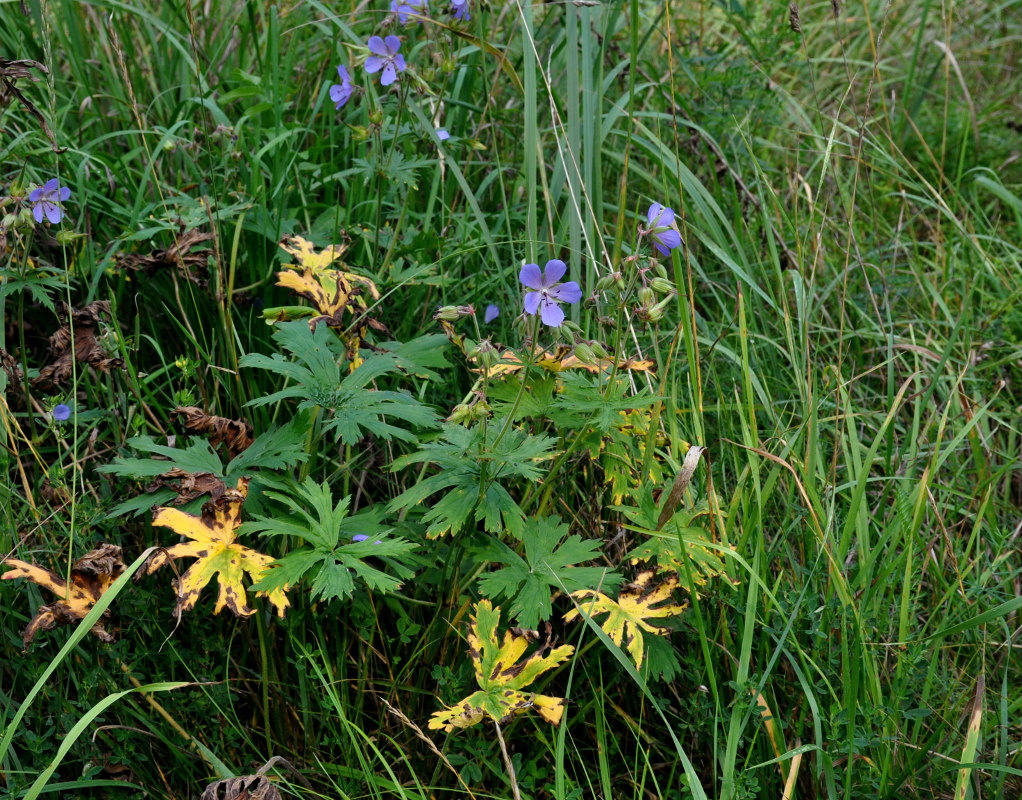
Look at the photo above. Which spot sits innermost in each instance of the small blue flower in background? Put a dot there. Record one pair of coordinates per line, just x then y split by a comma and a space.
340, 93
61, 412
664, 237
385, 56
408, 8
548, 292
492, 312
47, 199
460, 9
442, 134
361, 537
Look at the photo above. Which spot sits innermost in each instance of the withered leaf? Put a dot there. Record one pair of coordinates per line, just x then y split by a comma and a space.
235, 433
10, 71
11, 367
86, 349
190, 263
214, 546
91, 576
189, 485
250, 787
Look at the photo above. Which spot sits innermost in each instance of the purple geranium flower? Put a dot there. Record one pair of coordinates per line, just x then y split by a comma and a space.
548, 292
47, 199
340, 93
361, 537
492, 312
386, 57
61, 412
408, 8
664, 237
442, 134
460, 9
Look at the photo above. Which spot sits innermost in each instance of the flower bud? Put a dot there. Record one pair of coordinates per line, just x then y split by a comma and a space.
660, 270
661, 285
376, 116
359, 133
645, 295
8, 221
606, 282
599, 349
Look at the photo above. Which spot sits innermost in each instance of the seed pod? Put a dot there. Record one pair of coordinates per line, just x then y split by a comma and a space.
584, 353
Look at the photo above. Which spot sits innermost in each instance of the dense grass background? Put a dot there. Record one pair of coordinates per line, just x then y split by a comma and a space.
845, 342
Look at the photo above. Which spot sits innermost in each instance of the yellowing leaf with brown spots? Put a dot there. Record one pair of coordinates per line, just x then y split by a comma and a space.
627, 616
213, 544
312, 277
501, 678
91, 576
559, 359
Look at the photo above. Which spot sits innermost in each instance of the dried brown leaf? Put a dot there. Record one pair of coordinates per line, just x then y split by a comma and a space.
86, 349
192, 264
189, 485
235, 433
11, 367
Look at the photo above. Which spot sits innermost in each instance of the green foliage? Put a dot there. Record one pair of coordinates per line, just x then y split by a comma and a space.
470, 463
548, 564
278, 449
331, 560
838, 326
681, 546
356, 407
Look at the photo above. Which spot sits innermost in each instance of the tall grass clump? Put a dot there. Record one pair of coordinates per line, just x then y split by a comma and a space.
553, 400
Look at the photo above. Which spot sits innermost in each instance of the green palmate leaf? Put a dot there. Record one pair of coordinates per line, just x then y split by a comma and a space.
535, 403
681, 540
276, 449
548, 564
627, 616
589, 401
197, 457
420, 355
471, 477
357, 406
501, 677
331, 559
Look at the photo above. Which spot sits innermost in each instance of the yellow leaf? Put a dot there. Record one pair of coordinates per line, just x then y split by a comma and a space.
559, 359
330, 290
91, 576
628, 614
213, 544
501, 678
